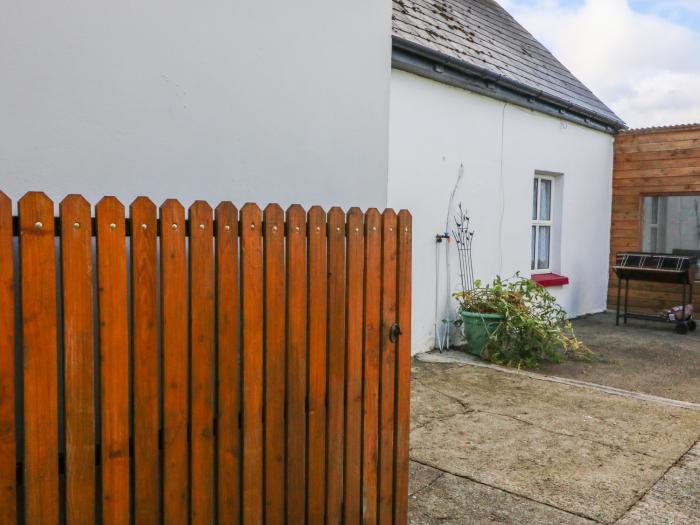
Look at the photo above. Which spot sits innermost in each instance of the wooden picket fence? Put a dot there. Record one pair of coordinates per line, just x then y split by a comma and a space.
225, 368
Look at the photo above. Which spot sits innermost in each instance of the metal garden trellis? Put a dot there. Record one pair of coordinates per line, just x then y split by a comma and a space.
463, 238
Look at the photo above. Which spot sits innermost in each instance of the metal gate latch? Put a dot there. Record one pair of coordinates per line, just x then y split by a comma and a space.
394, 332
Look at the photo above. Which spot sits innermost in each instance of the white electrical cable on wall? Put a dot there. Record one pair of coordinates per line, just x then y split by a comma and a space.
502, 191
448, 266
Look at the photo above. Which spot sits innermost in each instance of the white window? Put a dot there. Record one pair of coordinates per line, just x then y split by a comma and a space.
542, 224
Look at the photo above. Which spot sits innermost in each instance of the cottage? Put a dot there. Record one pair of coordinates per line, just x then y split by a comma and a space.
484, 115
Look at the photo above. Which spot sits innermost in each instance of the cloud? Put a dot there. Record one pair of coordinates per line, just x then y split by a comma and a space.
644, 65
686, 12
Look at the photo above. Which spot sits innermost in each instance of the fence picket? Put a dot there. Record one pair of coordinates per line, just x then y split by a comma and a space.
252, 331
202, 363
372, 334
387, 369
77, 278
275, 364
8, 486
114, 360
336, 366
40, 368
403, 369
145, 361
353, 367
228, 459
296, 364
174, 320
317, 311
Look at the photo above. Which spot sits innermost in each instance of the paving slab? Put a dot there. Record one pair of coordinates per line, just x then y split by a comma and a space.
428, 405
674, 500
437, 497
649, 428
570, 473
586, 453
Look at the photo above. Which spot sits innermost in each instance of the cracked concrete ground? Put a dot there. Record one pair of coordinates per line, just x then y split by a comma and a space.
489, 446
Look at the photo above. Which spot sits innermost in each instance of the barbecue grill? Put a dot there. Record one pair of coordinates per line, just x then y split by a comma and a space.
659, 268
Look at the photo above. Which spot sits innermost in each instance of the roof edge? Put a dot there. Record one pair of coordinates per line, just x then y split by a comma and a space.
420, 60
662, 129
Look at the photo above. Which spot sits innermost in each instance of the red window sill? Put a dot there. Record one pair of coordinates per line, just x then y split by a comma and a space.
550, 279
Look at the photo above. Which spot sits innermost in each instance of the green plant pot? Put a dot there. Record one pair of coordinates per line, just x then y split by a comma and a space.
478, 329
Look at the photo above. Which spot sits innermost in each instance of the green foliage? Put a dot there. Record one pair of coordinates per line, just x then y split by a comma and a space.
534, 327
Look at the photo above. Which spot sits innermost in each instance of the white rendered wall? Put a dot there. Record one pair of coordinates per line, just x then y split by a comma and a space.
240, 100
434, 128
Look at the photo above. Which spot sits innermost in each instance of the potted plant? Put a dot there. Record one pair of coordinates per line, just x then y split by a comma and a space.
517, 323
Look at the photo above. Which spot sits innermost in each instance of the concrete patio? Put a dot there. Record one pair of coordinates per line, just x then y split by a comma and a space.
492, 445
640, 356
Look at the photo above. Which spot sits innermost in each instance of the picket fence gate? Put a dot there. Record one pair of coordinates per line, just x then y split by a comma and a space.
227, 367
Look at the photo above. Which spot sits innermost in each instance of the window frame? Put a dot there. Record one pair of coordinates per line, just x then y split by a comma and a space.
537, 223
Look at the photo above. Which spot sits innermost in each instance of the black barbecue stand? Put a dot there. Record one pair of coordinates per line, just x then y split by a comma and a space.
659, 268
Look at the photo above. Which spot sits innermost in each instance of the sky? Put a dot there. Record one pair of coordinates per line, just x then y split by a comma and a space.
640, 57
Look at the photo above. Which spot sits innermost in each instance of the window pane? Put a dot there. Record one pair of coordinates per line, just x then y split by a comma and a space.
649, 221
534, 246
676, 220
534, 200
543, 248
653, 239
671, 224
545, 200
654, 210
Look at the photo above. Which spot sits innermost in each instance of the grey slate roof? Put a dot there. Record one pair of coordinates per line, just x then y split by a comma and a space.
484, 37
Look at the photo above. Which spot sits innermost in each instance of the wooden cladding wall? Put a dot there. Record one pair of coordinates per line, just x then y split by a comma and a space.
663, 161
210, 367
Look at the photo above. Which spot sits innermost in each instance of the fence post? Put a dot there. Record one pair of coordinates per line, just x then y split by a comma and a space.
275, 364
8, 487
296, 307
317, 311
403, 369
371, 361
79, 365
353, 367
336, 366
114, 360
146, 362
202, 363
228, 458
175, 362
387, 369
252, 326
40, 367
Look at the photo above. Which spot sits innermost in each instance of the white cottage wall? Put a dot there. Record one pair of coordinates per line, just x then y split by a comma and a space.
248, 101
434, 128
